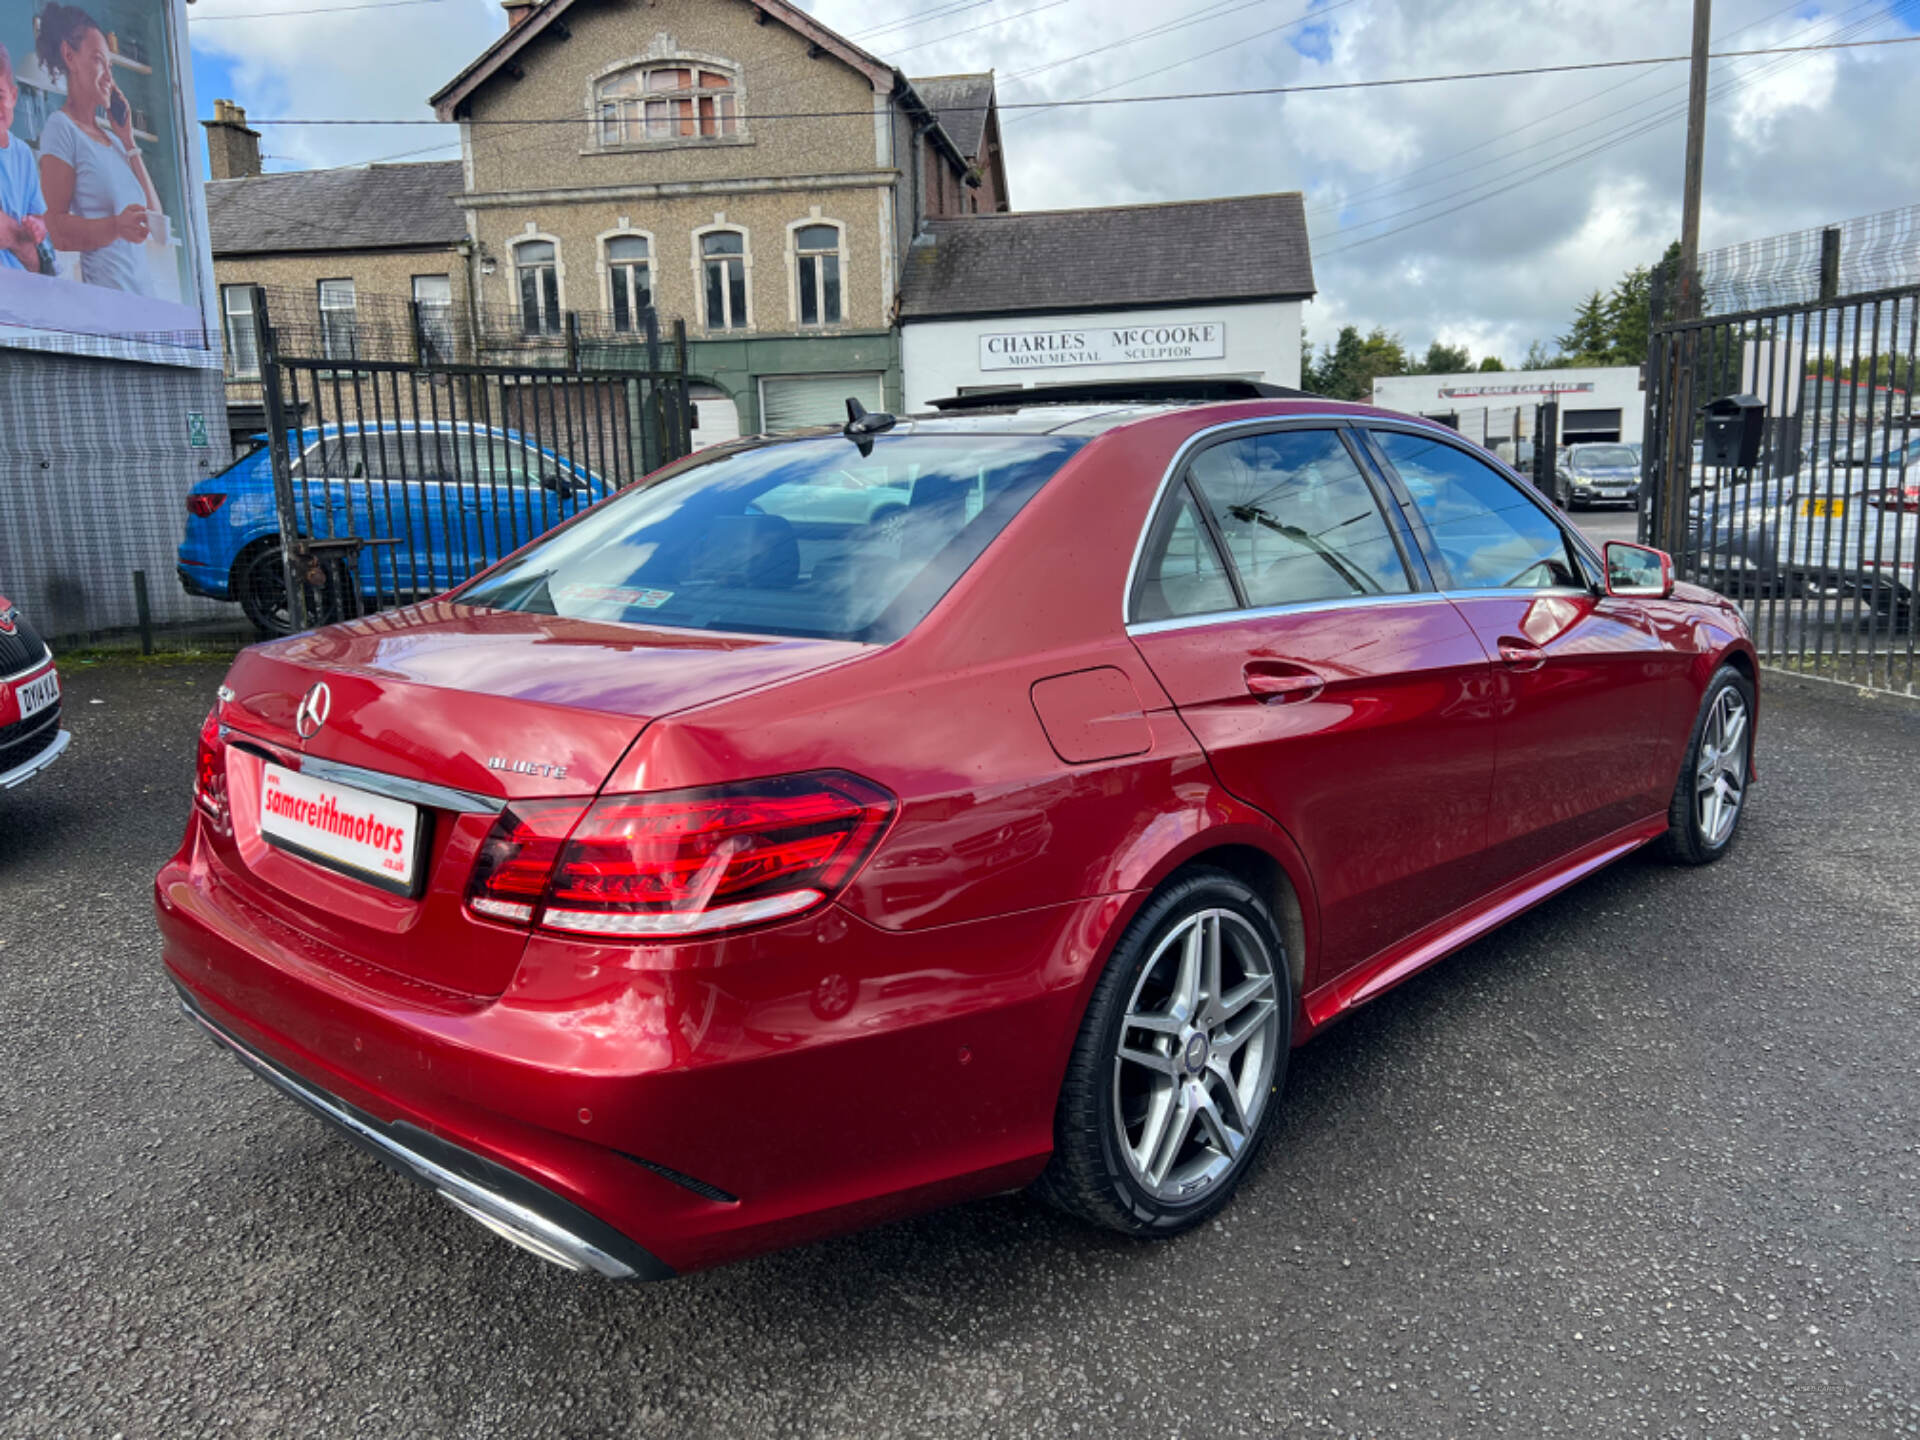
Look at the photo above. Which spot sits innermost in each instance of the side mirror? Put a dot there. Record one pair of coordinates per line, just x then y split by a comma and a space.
1638, 570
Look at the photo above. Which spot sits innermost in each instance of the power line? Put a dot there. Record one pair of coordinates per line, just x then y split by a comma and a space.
983, 25
1187, 95
316, 10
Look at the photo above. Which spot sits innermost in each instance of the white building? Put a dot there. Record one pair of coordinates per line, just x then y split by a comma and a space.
1598, 402
1201, 289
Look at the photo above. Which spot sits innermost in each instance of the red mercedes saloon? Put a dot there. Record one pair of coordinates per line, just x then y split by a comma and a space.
844, 824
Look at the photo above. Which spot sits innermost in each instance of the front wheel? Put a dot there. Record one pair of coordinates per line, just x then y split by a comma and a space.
1711, 794
1179, 1062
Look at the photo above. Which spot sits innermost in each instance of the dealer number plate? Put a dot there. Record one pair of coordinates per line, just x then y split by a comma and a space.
346, 829
37, 695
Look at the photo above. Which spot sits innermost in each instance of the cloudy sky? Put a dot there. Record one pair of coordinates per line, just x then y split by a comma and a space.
1477, 211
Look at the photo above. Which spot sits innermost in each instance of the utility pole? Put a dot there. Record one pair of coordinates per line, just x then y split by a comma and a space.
1696, 155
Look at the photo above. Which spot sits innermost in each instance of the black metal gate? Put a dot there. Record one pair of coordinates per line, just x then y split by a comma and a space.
1815, 534
395, 480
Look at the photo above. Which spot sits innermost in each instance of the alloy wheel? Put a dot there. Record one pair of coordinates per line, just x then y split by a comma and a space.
1195, 1063
1720, 777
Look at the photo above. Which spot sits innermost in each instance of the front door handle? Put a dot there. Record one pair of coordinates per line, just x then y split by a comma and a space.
1520, 655
1279, 683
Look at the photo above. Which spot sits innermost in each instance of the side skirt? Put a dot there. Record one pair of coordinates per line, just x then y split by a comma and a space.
1440, 939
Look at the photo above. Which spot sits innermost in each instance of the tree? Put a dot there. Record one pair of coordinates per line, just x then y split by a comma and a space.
1538, 357
1491, 363
1445, 359
1590, 341
1630, 317
1347, 368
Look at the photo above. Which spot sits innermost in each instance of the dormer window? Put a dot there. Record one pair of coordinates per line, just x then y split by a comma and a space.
651, 103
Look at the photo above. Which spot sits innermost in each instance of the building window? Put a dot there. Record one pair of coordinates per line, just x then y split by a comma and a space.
433, 316
817, 256
628, 269
666, 102
536, 265
243, 344
724, 258
339, 337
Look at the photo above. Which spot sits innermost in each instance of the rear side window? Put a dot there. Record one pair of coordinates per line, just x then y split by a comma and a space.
1299, 520
801, 537
1488, 535
1183, 574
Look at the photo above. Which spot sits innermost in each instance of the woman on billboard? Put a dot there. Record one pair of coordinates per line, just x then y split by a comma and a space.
100, 199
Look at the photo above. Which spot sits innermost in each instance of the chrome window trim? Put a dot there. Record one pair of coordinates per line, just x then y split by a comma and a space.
1298, 607
46, 654
1193, 441
378, 782
1509, 592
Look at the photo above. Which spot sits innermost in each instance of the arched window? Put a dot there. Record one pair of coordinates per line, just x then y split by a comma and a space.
630, 277
536, 266
666, 102
723, 261
816, 251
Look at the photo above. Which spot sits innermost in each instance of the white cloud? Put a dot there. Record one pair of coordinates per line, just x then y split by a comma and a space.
1507, 200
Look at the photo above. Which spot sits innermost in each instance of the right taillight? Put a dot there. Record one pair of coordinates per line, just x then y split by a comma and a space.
682, 862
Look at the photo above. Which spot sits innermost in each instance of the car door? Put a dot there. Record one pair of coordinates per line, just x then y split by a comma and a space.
1587, 689
1281, 606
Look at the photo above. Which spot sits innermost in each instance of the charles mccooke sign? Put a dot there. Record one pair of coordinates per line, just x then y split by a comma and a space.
1104, 345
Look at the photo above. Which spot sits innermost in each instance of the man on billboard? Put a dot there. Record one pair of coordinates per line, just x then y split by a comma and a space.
22, 231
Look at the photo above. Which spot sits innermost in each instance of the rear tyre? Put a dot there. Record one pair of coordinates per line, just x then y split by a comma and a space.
1179, 1063
1703, 819
260, 585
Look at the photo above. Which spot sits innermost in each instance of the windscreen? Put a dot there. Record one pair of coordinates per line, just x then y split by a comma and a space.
1604, 457
801, 537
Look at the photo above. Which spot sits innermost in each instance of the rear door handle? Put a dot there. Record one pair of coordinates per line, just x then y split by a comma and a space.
1521, 656
1279, 683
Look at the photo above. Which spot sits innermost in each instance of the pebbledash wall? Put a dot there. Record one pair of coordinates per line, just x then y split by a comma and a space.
1259, 341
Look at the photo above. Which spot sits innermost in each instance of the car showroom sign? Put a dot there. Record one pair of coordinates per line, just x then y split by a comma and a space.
1546, 387
1104, 345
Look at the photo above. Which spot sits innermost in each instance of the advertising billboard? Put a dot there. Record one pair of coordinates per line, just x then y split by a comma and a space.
101, 219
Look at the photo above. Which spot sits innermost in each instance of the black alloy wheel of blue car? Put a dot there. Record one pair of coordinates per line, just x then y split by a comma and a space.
260, 585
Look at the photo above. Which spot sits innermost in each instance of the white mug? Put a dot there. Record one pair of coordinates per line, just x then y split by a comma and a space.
159, 228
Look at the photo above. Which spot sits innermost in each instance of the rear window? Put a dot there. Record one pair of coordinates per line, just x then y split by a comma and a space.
803, 537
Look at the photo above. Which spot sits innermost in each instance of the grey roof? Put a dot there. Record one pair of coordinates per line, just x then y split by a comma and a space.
961, 103
378, 207
1252, 247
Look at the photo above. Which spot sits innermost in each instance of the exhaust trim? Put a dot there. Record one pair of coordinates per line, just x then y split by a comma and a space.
508, 1204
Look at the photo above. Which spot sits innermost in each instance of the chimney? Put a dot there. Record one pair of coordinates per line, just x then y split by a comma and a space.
233, 151
517, 10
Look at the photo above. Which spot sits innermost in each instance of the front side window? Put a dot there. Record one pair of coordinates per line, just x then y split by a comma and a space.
723, 255
243, 344
1487, 533
817, 256
631, 279
799, 537
536, 265
666, 102
339, 337
1299, 520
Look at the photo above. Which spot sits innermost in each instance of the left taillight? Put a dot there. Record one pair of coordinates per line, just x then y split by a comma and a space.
210, 774
683, 862
204, 503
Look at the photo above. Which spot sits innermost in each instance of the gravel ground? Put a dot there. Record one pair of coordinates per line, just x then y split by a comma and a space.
1644, 1163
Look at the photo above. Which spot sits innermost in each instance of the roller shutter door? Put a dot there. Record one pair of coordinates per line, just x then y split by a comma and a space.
793, 402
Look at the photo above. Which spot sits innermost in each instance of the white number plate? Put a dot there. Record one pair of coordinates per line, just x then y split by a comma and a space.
37, 695
367, 836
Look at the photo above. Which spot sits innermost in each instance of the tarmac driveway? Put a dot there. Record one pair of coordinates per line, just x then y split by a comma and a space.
1646, 1162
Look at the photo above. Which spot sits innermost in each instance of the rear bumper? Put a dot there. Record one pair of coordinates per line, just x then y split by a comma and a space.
507, 1203
206, 581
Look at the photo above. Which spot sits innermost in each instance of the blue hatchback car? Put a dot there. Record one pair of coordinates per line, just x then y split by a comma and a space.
402, 511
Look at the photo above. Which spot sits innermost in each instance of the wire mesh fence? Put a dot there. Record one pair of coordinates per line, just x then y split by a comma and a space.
1867, 253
